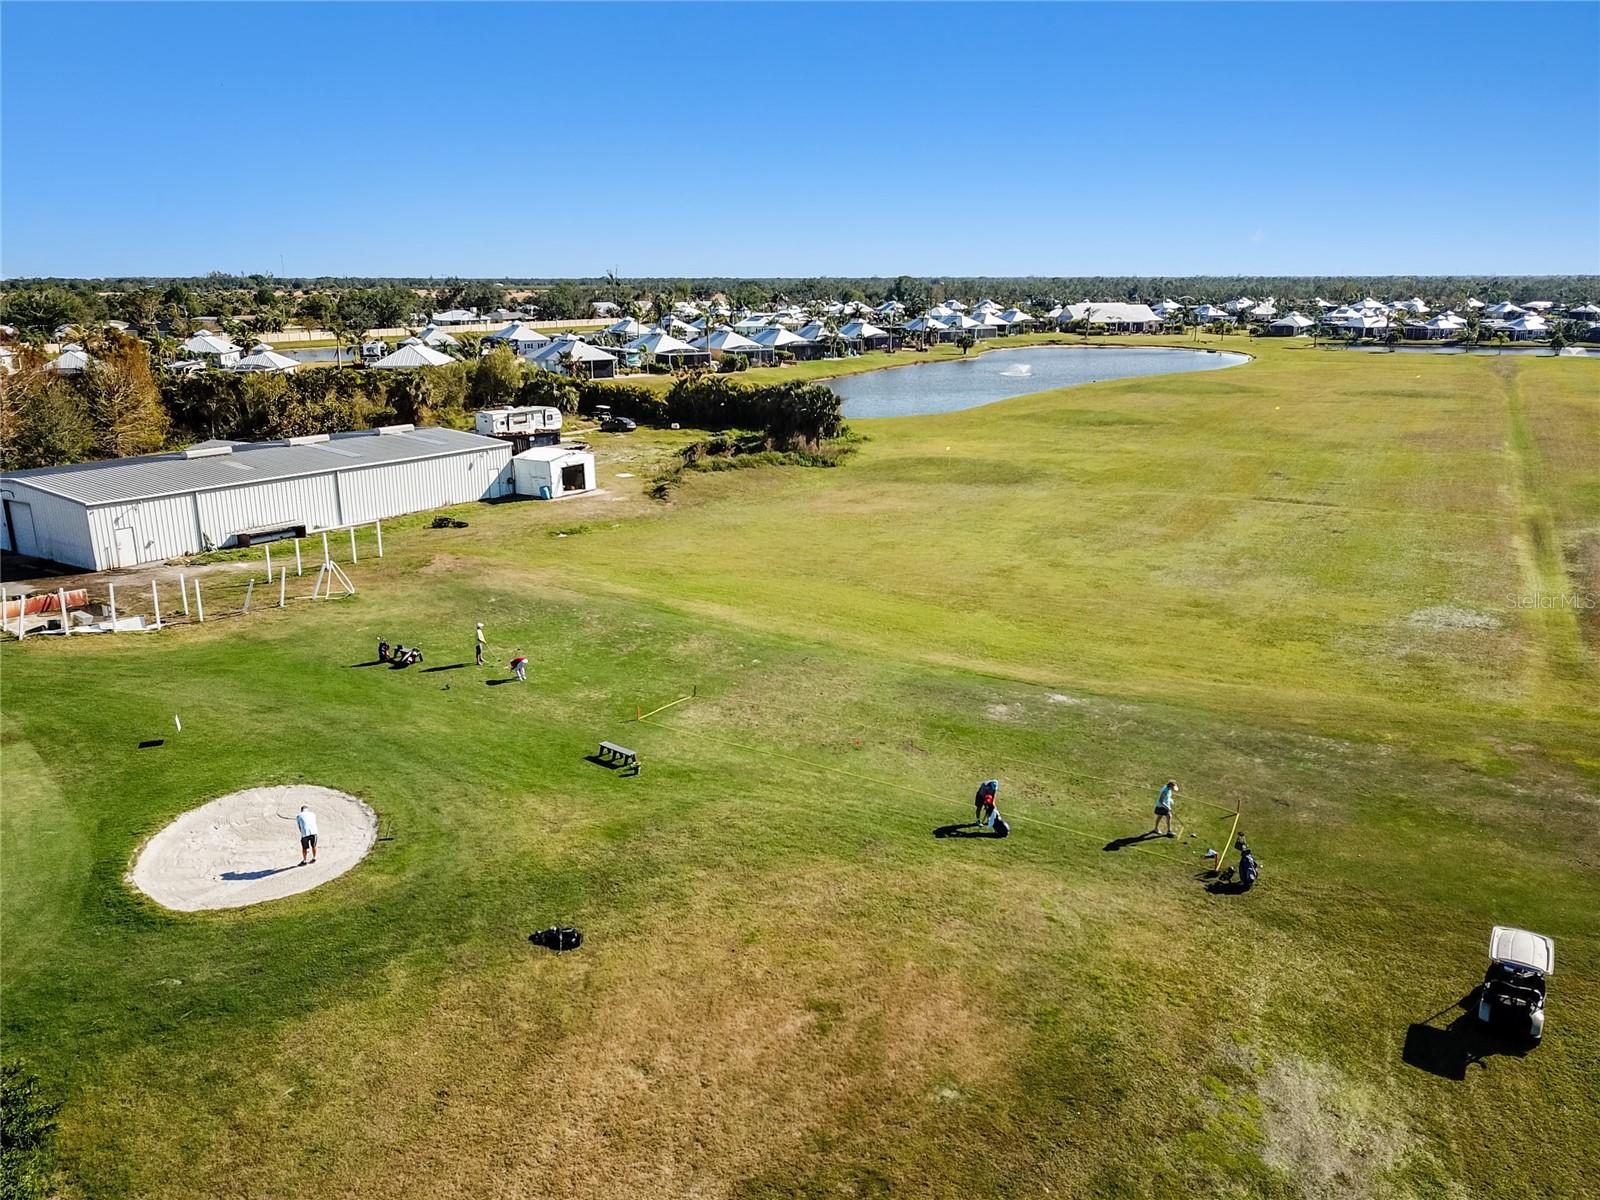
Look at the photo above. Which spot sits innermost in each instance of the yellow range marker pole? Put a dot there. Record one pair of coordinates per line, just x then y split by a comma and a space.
639, 716
883, 783
1227, 843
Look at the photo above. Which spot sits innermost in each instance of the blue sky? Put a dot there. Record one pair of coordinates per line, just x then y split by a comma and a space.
513, 140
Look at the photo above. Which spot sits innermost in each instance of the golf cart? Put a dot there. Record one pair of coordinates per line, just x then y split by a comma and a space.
1511, 1001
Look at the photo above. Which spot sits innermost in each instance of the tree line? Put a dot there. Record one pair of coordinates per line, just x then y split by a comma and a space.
260, 304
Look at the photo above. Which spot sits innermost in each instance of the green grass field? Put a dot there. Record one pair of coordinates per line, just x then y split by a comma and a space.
1325, 587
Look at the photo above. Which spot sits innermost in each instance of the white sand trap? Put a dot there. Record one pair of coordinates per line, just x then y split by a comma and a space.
244, 848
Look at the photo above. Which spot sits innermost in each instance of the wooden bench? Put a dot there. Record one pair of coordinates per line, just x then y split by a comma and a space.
614, 755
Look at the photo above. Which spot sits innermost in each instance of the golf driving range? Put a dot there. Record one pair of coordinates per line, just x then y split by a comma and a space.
1350, 602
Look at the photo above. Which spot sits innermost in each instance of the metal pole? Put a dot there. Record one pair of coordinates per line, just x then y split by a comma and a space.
326, 557
249, 590
377, 528
155, 600
61, 599
353, 557
283, 585
269, 562
113, 588
22, 603
183, 590
199, 604
297, 558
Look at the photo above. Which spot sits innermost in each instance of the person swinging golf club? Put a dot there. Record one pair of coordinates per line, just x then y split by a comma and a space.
306, 822
983, 802
1164, 804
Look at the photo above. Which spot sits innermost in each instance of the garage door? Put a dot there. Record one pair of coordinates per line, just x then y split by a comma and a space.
20, 517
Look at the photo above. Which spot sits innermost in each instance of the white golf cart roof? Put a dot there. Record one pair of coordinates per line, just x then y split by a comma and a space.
1519, 948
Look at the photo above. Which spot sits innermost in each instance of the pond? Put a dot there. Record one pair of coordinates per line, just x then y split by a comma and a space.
946, 386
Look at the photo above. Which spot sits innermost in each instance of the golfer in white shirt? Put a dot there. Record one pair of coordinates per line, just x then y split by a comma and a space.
307, 823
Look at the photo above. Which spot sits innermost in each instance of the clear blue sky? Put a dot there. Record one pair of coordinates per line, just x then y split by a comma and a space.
505, 140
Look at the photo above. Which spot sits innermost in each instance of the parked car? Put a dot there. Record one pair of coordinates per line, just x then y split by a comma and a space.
617, 425
1511, 1001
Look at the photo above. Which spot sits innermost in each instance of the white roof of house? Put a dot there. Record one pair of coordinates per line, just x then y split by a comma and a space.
814, 330
659, 341
1527, 322
726, 339
926, 324
567, 346
627, 328
264, 360
776, 336
120, 480
1521, 948
1446, 320
1112, 312
70, 361
1474, 302
861, 329
1504, 309
209, 343
1014, 314
518, 333
1294, 320
453, 316
434, 336
411, 356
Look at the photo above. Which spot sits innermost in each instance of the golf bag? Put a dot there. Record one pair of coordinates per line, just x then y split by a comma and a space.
558, 938
405, 656
1000, 826
1249, 869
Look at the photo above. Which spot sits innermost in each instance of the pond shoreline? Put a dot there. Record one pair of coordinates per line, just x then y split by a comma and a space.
956, 384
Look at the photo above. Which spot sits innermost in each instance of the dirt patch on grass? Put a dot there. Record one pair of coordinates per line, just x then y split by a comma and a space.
1333, 1136
1446, 616
1003, 712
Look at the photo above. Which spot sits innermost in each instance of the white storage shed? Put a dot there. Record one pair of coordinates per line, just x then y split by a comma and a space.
562, 470
129, 511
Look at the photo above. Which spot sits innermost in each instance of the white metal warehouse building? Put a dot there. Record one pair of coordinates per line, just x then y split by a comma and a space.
129, 511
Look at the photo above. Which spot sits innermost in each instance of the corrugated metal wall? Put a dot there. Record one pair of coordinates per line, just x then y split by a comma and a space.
310, 500
161, 529
60, 526
373, 493
172, 526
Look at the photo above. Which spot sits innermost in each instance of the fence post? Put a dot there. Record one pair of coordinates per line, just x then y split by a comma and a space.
199, 604
249, 590
377, 528
326, 557
283, 585
183, 590
269, 562
353, 544
113, 588
155, 600
297, 571
61, 599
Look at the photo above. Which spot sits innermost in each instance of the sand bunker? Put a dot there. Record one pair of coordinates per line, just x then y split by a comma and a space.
244, 848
